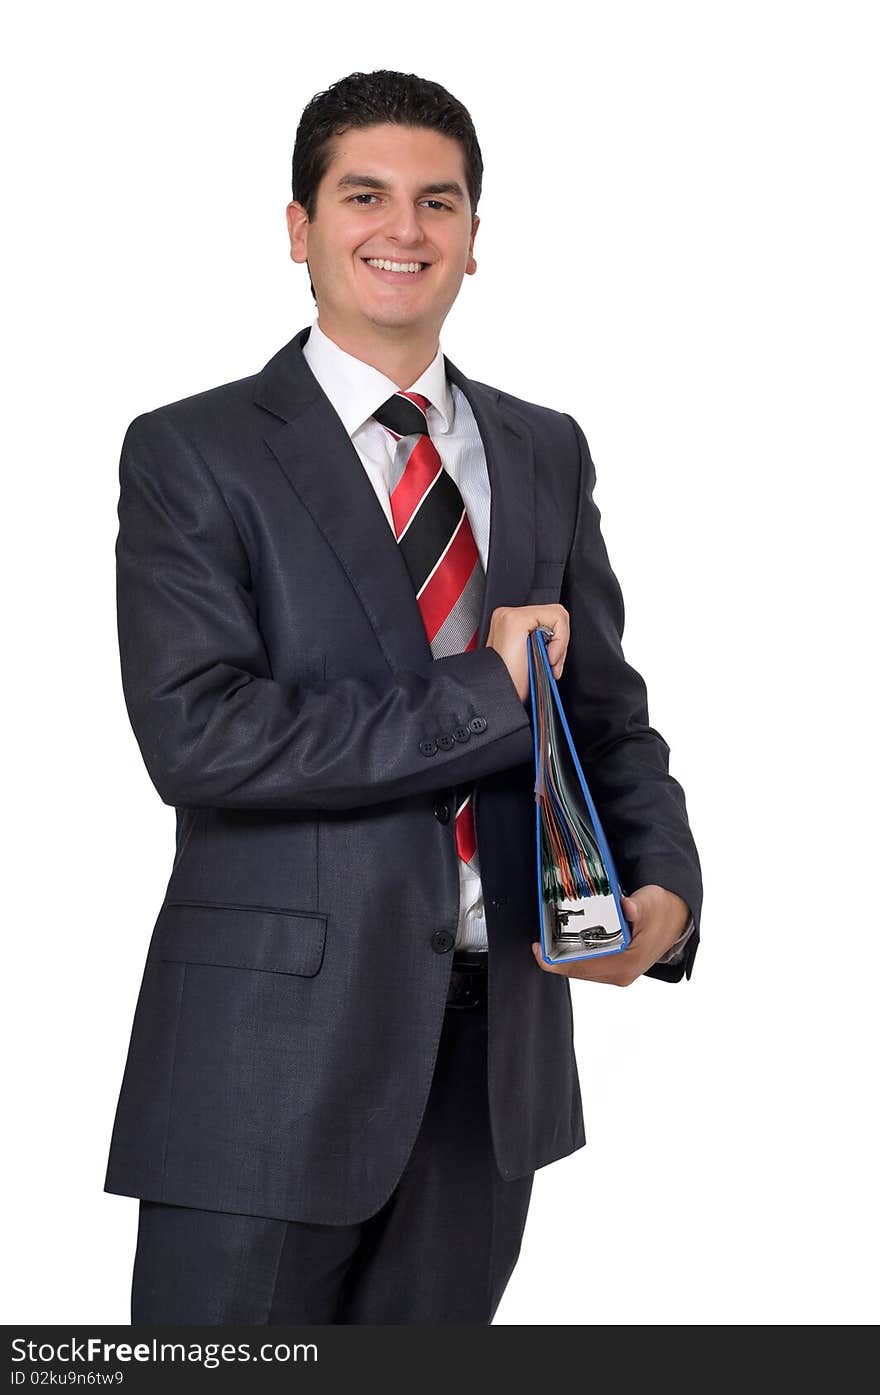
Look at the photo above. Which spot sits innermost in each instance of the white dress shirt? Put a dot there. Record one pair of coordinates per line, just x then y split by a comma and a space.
356, 389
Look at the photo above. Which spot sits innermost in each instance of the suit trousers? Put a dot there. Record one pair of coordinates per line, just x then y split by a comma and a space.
440, 1250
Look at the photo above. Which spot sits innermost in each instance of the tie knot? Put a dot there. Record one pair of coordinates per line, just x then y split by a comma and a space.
405, 414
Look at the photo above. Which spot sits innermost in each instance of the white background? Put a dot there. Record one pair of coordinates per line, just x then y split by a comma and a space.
679, 247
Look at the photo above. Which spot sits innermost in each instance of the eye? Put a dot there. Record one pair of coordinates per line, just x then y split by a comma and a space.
439, 204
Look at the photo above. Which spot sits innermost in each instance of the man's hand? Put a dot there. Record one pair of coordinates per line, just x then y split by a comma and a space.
657, 918
509, 629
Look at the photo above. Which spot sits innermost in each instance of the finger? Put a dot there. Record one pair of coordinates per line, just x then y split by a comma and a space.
548, 968
557, 660
629, 908
561, 634
555, 618
557, 648
608, 968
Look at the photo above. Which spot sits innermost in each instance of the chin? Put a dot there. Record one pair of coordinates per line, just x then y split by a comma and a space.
392, 317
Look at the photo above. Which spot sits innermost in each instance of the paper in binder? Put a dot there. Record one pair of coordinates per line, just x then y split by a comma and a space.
578, 888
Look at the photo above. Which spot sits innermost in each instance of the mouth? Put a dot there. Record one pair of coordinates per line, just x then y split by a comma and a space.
395, 272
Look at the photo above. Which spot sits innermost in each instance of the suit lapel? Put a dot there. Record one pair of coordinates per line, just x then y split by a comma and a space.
321, 464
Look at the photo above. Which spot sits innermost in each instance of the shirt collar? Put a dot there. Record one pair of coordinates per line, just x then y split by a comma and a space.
356, 388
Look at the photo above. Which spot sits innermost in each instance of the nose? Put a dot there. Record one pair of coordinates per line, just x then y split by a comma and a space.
403, 224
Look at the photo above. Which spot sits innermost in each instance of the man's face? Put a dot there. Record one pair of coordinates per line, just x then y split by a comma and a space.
395, 193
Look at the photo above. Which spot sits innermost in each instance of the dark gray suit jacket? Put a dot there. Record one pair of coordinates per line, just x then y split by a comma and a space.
281, 687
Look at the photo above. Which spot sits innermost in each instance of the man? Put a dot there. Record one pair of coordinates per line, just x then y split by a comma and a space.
346, 1062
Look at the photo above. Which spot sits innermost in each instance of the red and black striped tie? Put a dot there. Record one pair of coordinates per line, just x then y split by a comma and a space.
434, 534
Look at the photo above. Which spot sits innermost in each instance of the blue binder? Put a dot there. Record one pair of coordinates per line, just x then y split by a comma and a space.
578, 888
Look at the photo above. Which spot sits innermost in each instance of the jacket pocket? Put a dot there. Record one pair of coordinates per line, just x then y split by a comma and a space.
242, 937
546, 581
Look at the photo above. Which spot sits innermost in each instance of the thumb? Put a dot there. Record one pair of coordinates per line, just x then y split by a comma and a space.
630, 909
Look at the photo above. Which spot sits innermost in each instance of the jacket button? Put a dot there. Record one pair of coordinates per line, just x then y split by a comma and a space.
428, 748
441, 811
478, 724
446, 741
462, 733
442, 941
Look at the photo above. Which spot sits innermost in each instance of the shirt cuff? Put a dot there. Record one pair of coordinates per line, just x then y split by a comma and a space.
675, 953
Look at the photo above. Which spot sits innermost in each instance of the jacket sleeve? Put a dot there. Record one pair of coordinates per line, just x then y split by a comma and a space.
625, 760
213, 726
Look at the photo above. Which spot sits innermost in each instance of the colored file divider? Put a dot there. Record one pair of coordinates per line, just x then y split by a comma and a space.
578, 888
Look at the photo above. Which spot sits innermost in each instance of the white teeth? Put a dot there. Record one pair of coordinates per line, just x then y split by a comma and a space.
394, 266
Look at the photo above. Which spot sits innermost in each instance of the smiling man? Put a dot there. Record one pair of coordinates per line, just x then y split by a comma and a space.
387, 286
346, 1063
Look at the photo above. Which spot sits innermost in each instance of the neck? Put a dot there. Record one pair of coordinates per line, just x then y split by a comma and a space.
401, 358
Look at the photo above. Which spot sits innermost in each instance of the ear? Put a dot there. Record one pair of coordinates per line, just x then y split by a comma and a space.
471, 262
298, 231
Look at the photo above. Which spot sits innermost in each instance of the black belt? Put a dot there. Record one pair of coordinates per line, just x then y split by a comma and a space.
469, 979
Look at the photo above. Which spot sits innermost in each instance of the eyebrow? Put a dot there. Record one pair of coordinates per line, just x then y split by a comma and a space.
369, 181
